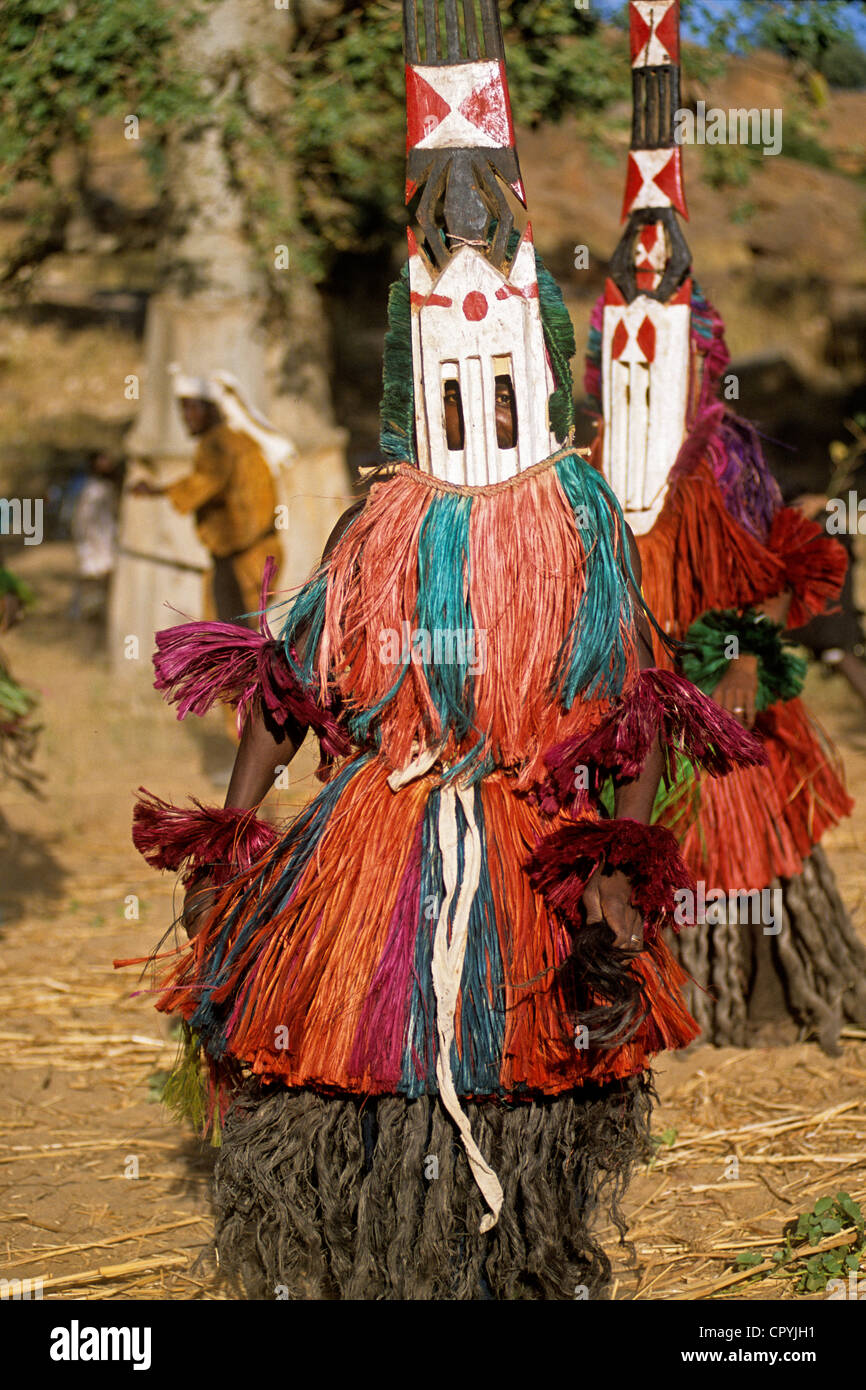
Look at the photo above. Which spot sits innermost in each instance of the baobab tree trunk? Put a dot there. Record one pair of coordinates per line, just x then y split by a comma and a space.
212, 314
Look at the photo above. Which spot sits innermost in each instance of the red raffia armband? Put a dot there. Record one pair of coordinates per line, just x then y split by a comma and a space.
198, 664
815, 563
221, 840
659, 703
649, 855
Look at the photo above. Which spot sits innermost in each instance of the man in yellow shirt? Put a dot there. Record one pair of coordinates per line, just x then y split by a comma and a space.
231, 494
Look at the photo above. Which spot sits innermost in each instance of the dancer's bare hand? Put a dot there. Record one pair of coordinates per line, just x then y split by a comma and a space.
200, 897
608, 897
737, 691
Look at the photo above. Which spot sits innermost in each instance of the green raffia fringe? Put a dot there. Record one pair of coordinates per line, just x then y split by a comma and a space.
9, 584
15, 702
397, 415
559, 338
780, 672
185, 1092
397, 411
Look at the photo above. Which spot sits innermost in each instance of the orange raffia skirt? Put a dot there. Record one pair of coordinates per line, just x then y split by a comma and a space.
315, 968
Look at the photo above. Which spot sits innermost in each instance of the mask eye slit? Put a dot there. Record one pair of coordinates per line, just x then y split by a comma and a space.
452, 411
506, 411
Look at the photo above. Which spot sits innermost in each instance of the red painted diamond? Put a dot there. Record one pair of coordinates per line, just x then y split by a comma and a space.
620, 338
646, 339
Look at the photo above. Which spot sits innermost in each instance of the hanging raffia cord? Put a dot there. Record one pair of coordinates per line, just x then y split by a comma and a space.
409, 470
449, 955
467, 241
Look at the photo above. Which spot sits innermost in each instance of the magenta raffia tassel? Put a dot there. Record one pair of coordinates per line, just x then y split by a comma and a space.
649, 855
659, 703
286, 699
198, 664
225, 838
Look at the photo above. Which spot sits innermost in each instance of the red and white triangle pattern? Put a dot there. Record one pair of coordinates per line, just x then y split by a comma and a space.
654, 180
650, 256
464, 106
654, 27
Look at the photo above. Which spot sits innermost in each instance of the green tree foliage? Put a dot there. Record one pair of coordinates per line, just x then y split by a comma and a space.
65, 63
817, 34
68, 63
817, 38
844, 64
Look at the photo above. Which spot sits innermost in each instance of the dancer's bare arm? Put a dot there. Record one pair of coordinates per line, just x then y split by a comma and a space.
263, 751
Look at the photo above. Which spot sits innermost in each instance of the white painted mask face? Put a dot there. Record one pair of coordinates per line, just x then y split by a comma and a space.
646, 347
645, 391
482, 379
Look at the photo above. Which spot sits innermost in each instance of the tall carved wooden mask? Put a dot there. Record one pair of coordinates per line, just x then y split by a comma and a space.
646, 349
481, 372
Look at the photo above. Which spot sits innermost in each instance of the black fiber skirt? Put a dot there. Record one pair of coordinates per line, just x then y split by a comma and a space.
323, 1197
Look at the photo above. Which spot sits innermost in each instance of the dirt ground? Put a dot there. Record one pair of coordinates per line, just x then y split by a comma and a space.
103, 1196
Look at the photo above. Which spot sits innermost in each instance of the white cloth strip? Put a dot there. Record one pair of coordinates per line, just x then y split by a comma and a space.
447, 972
416, 768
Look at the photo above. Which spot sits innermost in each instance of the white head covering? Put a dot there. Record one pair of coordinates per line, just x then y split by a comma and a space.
226, 392
191, 388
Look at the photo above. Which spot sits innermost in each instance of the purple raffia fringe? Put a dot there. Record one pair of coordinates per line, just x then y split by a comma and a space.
659, 703
227, 839
733, 450
198, 664
564, 862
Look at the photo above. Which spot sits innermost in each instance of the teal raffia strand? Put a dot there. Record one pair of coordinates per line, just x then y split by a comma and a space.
443, 611
476, 1066
421, 1047
443, 622
592, 661
306, 618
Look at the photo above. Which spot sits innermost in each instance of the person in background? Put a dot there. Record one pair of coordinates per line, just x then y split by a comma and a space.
836, 638
18, 733
94, 532
230, 492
